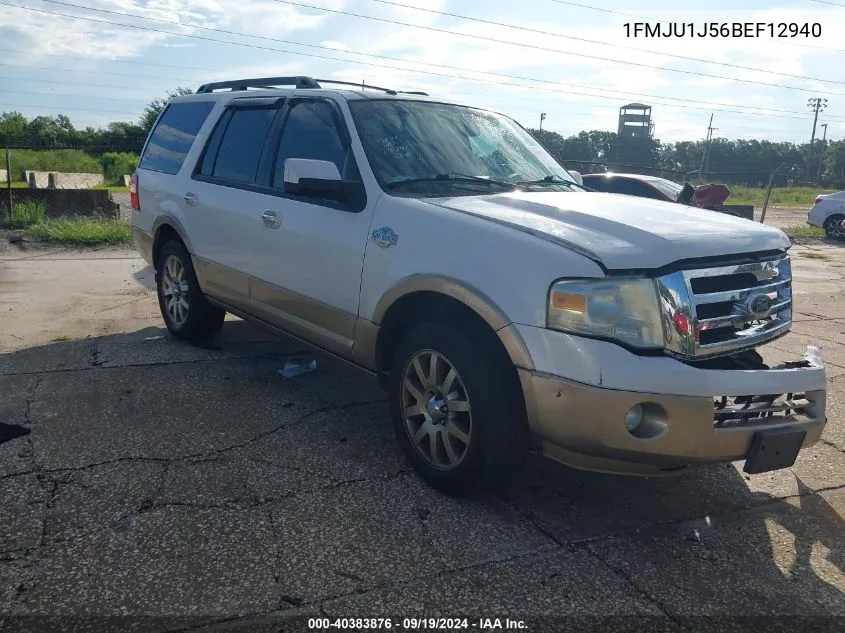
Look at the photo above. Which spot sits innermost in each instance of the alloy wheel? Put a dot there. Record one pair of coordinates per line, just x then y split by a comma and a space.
436, 410
174, 287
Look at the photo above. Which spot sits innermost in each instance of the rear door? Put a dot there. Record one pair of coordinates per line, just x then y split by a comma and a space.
229, 194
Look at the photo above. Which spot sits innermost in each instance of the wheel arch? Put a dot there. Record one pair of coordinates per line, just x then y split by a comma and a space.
166, 227
434, 297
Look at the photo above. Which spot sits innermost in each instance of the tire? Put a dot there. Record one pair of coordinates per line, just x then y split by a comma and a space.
191, 317
480, 414
833, 227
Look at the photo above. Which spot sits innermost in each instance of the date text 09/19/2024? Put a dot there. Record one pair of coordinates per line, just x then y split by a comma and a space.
416, 624
723, 29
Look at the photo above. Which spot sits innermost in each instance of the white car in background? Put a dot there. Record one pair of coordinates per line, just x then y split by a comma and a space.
828, 213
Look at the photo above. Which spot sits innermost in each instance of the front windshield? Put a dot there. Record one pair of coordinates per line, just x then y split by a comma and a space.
667, 187
420, 141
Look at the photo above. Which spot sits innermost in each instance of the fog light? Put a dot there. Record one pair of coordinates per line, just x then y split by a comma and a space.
634, 418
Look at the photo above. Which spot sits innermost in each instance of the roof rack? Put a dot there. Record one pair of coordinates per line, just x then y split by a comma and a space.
298, 82
264, 83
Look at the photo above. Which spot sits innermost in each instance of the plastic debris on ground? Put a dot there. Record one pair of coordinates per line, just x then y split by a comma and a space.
298, 366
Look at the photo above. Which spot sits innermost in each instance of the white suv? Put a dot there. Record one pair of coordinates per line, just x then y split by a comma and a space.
443, 249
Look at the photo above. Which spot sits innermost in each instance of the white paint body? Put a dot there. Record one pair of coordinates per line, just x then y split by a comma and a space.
508, 247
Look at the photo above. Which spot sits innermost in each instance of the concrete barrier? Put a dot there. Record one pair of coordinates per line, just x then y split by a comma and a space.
4, 177
59, 180
127, 180
38, 179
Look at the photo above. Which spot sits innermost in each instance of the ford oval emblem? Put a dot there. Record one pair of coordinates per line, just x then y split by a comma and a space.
385, 237
758, 305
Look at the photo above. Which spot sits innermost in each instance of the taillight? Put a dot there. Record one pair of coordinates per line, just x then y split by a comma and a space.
818, 199
133, 193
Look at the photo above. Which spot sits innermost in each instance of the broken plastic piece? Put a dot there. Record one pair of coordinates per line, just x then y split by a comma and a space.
298, 366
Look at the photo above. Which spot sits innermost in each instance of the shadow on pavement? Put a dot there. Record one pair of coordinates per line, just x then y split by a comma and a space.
141, 444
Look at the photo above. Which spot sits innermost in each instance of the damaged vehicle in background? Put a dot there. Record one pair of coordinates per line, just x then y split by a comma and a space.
710, 196
441, 248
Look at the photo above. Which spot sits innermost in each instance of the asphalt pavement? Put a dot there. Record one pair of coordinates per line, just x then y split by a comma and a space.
164, 486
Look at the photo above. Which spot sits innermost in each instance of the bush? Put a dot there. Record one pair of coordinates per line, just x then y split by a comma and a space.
82, 231
27, 213
64, 160
116, 165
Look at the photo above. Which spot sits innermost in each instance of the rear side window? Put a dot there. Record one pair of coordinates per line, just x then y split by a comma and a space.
241, 145
172, 138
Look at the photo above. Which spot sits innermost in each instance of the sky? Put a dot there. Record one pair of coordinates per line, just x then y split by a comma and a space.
575, 61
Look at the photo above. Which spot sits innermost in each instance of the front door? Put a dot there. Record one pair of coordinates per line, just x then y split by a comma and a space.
311, 283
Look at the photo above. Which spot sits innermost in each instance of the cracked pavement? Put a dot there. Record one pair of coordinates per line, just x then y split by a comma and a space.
172, 487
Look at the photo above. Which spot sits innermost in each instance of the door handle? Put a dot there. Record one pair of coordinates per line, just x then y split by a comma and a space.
270, 219
191, 199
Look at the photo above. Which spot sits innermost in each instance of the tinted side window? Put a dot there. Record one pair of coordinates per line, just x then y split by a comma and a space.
172, 138
310, 132
637, 188
242, 143
599, 183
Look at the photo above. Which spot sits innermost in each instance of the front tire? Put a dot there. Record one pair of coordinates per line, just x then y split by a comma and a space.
457, 408
833, 227
186, 311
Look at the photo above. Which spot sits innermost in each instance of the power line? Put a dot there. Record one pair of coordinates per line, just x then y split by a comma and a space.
834, 4
63, 95
758, 110
545, 48
96, 72
621, 46
34, 105
106, 59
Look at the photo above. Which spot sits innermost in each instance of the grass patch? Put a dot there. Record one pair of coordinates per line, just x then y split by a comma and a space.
61, 338
16, 184
781, 196
811, 255
803, 230
113, 188
82, 231
27, 213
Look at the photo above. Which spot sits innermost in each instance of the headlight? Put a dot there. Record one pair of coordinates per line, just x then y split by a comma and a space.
626, 310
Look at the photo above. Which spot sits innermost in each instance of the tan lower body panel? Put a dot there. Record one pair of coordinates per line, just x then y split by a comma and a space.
584, 427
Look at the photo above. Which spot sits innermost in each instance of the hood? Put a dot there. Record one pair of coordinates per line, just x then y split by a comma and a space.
621, 232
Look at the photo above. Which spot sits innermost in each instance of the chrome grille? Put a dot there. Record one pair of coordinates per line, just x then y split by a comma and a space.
742, 411
724, 309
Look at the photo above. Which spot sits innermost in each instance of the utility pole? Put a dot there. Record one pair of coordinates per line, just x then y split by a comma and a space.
821, 152
706, 152
814, 104
542, 118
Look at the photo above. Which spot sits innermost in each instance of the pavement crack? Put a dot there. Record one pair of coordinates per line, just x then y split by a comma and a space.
96, 355
622, 574
833, 445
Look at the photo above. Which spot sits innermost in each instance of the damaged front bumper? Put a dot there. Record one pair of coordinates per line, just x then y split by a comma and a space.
736, 408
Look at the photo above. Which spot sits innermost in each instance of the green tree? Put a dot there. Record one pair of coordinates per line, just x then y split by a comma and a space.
13, 128
154, 108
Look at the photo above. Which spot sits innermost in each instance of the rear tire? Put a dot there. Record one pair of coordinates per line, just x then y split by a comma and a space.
833, 227
186, 311
457, 408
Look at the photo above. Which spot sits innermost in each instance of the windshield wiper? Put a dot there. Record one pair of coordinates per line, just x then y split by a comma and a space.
458, 178
547, 180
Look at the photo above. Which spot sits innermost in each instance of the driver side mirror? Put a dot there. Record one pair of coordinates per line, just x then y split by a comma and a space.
317, 179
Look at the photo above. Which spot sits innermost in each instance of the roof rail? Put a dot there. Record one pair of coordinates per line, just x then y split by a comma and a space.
264, 83
299, 82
